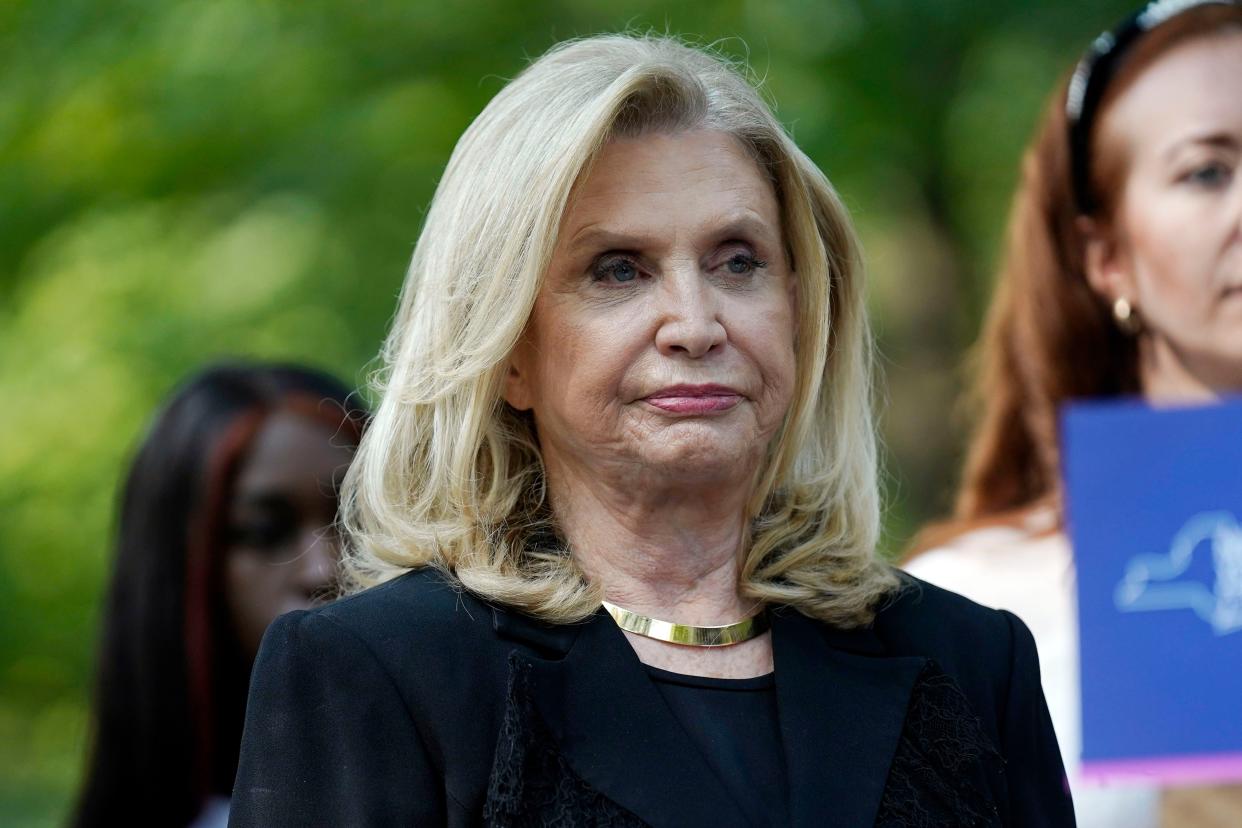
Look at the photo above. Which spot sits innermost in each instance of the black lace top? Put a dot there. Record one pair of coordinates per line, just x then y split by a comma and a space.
733, 723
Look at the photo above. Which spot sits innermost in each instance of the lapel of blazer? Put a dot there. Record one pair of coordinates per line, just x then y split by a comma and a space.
614, 728
842, 706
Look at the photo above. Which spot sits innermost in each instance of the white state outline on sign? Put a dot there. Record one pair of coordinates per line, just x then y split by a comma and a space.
1149, 583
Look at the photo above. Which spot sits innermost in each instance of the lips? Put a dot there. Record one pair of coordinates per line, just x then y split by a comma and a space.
694, 399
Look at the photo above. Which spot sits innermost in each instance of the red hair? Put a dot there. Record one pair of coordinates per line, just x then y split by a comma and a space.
204, 563
171, 682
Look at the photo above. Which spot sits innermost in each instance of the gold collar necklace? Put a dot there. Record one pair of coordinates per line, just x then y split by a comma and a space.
688, 634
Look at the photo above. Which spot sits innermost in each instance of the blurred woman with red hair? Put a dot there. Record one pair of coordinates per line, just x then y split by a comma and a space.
1122, 275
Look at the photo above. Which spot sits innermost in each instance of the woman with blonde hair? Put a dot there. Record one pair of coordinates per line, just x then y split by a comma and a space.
614, 524
1123, 275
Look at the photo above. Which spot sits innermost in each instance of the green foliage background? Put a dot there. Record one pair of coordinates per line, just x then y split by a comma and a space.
181, 180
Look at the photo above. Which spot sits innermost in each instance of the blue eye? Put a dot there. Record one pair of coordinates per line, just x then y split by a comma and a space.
616, 269
742, 264
1211, 175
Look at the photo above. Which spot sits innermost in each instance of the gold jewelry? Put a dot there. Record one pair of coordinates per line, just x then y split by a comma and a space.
688, 634
1126, 316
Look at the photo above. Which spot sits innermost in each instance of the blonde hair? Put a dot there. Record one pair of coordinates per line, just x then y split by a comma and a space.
450, 476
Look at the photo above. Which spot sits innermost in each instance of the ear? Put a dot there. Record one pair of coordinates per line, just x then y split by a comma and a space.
1107, 270
517, 384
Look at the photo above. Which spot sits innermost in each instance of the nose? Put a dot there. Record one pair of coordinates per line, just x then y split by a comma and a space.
690, 324
316, 566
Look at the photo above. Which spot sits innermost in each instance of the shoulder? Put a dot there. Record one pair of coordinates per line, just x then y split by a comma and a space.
979, 550
1027, 569
421, 602
1022, 541
980, 675
984, 650
422, 611
924, 619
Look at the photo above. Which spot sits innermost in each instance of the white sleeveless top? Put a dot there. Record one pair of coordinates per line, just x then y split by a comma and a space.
1030, 572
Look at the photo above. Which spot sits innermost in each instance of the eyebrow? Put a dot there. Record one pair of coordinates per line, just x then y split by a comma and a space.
269, 497
594, 236
264, 498
726, 227
1217, 139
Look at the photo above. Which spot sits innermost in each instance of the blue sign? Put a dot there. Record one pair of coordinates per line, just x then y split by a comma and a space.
1154, 510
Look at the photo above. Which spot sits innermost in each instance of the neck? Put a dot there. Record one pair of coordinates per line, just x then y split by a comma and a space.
1171, 376
656, 550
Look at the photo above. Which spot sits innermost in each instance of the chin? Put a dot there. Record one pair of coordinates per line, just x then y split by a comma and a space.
702, 459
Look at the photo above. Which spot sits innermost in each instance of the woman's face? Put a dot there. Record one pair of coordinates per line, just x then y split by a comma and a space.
662, 341
1175, 252
281, 551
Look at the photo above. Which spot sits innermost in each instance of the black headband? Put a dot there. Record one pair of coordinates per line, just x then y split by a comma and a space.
1091, 78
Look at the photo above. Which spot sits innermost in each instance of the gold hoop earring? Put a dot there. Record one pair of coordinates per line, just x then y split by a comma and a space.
1126, 316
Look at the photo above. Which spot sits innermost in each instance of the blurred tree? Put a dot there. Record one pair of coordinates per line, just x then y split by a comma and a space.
181, 180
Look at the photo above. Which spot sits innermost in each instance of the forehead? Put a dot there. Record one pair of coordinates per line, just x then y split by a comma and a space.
641, 180
292, 450
1195, 87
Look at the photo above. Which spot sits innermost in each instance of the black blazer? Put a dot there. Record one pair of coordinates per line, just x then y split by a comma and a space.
414, 703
